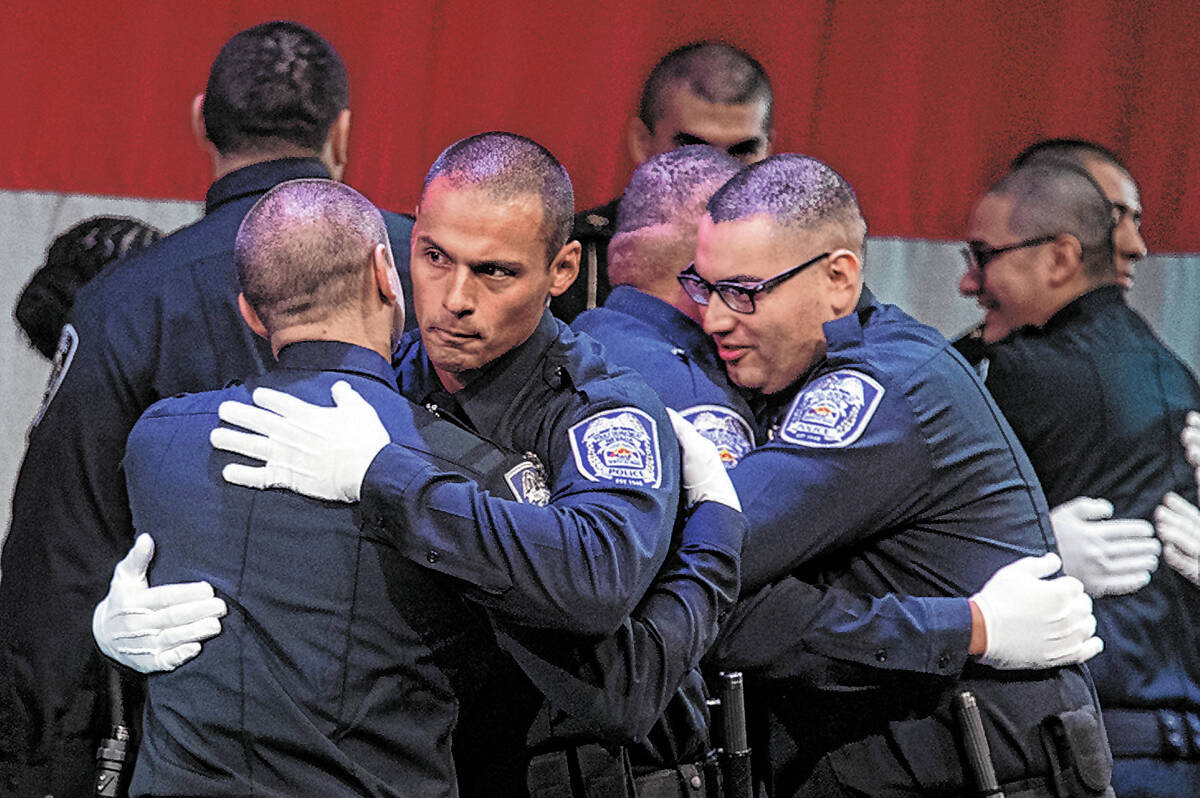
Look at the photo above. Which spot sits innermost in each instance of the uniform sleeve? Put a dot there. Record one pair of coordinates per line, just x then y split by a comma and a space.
803, 500
829, 638
617, 688
578, 564
70, 525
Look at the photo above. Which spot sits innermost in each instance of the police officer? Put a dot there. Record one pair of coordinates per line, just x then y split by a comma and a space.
706, 92
162, 324
342, 662
1096, 400
888, 469
1109, 555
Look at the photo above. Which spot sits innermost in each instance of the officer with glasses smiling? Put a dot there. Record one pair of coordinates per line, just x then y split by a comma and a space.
1097, 402
887, 470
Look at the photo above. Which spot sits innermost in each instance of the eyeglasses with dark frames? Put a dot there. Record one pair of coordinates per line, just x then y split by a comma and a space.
978, 254
738, 297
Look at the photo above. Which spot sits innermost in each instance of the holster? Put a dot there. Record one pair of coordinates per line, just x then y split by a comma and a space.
1077, 749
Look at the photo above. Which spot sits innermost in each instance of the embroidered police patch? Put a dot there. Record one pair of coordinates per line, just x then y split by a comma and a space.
528, 483
832, 411
68, 342
728, 431
619, 446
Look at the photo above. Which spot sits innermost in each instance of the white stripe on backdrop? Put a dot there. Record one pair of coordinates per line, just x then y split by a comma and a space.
919, 276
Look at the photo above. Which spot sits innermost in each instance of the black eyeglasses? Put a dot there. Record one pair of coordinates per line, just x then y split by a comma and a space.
978, 254
1120, 210
737, 296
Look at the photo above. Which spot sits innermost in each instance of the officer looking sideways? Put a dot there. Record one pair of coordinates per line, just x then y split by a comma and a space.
274, 109
706, 92
887, 469
1097, 400
651, 325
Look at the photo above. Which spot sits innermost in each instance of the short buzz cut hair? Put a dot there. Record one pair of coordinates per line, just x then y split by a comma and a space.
276, 84
506, 166
797, 192
1077, 151
713, 71
672, 188
1052, 197
302, 251
674, 185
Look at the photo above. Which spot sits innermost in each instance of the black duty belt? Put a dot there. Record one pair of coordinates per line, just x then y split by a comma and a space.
1158, 733
595, 771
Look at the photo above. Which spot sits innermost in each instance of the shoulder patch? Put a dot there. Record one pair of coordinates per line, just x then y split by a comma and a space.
728, 431
68, 342
528, 483
832, 411
618, 446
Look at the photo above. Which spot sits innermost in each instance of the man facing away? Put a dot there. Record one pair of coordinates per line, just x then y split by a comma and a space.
274, 109
706, 92
342, 663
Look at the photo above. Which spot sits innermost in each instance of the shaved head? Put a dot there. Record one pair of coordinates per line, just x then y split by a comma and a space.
659, 211
304, 251
507, 166
798, 193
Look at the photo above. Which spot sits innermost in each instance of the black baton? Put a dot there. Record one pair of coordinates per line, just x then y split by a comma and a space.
735, 753
979, 757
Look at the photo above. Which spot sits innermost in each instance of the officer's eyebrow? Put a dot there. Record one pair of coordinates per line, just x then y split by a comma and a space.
424, 240
745, 147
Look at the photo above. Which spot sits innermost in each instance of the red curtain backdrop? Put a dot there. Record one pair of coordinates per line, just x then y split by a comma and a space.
919, 104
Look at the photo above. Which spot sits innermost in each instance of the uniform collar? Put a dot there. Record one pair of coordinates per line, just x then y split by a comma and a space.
1096, 302
488, 391
848, 330
840, 334
337, 356
259, 178
677, 327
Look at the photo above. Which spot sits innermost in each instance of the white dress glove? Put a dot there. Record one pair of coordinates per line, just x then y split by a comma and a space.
1191, 441
704, 478
1110, 557
322, 452
1191, 438
1177, 522
1033, 622
153, 628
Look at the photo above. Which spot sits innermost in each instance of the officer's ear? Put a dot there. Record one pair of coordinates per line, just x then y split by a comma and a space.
198, 129
251, 318
336, 151
639, 139
843, 271
565, 267
1066, 264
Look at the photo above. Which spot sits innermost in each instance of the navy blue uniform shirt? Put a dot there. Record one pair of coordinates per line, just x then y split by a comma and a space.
677, 360
576, 553
338, 666
150, 327
890, 470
